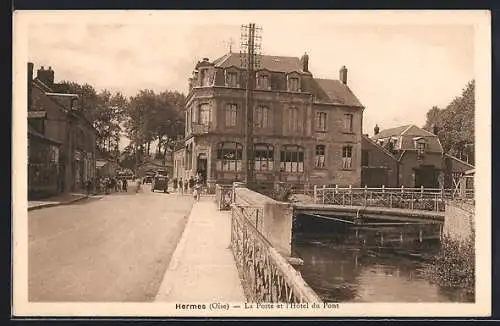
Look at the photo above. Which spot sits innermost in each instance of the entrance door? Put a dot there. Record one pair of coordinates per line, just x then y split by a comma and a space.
201, 166
426, 176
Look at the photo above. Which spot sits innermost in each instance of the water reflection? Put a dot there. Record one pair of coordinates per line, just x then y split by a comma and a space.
376, 264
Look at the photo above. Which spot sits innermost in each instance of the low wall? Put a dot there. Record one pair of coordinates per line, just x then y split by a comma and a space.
459, 220
274, 221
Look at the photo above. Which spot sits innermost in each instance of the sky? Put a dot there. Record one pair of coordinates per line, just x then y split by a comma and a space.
398, 68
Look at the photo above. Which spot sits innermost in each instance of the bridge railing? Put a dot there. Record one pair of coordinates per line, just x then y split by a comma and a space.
428, 199
266, 275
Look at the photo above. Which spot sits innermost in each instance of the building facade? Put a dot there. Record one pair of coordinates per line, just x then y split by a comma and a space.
306, 130
57, 118
379, 167
417, 155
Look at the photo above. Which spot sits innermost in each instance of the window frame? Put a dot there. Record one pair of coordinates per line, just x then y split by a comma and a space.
204, 76
347, 154
349, 127
420, 146
263, 163
228, 73
319, 122
261, 76
200, 115
289, 83
262, 117
292, 158
231, 112
222, 160
320, 156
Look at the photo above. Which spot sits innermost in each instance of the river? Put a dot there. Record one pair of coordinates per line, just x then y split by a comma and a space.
374, 263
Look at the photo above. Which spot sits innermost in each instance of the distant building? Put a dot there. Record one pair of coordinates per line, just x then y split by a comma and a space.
379, 167
306, 130
419, 157
61, 140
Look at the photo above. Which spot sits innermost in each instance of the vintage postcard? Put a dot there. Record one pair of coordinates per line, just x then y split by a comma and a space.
251, 163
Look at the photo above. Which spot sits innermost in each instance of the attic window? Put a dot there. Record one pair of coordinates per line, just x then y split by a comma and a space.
420, 150
231, 79
293, 84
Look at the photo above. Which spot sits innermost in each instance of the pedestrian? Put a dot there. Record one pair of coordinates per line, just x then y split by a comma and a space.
191, 183
174, 184
167, 180
196, 194
118, 184
186, 187
181, 186
125, 184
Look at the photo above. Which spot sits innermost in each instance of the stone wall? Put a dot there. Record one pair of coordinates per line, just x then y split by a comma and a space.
275, 223
459, 220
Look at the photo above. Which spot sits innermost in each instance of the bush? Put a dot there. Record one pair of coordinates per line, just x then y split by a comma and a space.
282, 192
454, 265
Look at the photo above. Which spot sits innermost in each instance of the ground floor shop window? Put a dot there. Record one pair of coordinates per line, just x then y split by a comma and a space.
229, 156
264, 157
292, 158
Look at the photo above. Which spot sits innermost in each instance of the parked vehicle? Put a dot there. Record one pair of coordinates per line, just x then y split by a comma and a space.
148, 179
160, 182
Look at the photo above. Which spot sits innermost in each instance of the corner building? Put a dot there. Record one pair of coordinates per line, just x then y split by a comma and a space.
306, 130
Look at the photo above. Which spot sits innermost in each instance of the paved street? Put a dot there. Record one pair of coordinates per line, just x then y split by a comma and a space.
114, 248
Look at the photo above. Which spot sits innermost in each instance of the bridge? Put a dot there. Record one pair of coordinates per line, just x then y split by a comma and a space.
260, 231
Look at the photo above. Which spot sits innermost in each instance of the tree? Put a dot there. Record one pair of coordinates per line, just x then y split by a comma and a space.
456, 124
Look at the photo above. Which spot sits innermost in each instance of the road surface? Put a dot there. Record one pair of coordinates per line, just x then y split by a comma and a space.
115, 248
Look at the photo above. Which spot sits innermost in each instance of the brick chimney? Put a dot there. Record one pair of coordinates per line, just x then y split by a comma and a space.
46, 76
376, 130
30, 84
343, 75
304, 61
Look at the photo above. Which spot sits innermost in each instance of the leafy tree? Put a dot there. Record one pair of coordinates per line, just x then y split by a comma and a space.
456, 124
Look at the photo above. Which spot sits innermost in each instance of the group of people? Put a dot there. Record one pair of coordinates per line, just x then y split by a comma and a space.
192, 185
108, 184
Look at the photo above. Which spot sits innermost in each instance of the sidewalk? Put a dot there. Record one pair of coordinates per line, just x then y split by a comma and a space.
63, 199
202, 268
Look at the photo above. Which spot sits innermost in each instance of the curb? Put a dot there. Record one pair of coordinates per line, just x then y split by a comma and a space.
57, 203
167, 281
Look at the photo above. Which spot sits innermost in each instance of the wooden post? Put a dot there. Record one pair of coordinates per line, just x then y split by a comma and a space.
422, 191
315, 194
402, 189
350, 193
324, 188
411, 200
383, 188
420, 236
366, 195
390, 200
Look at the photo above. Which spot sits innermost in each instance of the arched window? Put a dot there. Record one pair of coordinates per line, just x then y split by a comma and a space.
292, 158
229, 156
264, 157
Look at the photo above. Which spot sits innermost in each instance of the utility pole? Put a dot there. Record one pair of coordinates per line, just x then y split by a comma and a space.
250, 60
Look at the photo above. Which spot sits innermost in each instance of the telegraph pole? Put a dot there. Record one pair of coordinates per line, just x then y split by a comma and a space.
249, 55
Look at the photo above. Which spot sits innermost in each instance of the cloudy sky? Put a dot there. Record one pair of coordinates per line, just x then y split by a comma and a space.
399, 67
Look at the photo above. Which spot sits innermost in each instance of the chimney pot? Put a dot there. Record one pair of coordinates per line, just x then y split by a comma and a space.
343, 75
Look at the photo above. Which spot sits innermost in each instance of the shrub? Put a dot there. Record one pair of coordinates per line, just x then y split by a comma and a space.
454, 265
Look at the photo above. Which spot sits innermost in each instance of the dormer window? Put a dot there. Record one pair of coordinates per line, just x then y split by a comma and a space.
204, 78
263, 81
231, 79
420, 146
293, 84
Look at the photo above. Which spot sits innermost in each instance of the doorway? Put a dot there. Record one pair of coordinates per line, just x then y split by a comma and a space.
426, 176
201, 166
